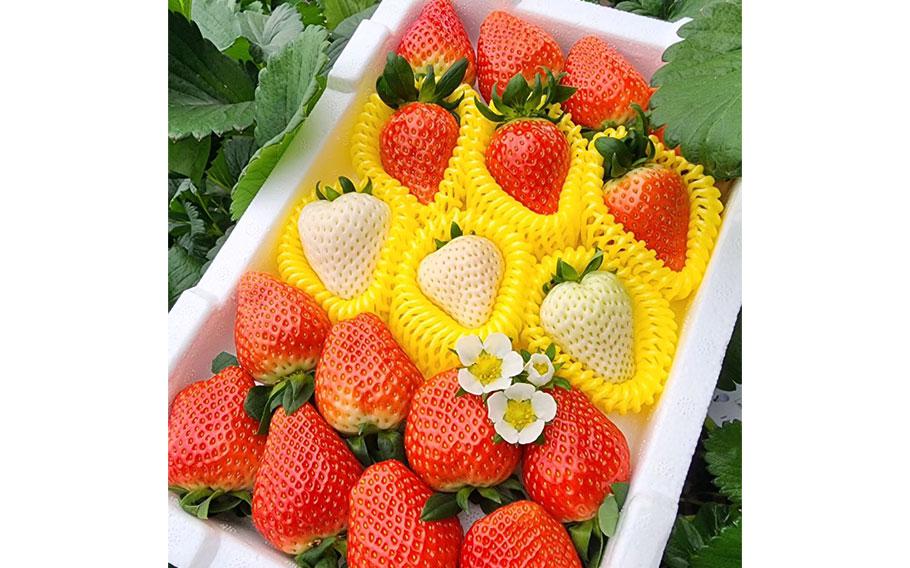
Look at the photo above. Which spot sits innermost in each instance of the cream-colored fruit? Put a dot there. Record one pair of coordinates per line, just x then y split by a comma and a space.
342, 240
591, 320
463, 278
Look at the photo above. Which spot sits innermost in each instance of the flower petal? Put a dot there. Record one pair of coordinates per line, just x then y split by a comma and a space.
534, 376
512, 364
469, 382
530, 432
507, 431
499, 384
497, 344
468, 348
520, 391
544, 406
496, 406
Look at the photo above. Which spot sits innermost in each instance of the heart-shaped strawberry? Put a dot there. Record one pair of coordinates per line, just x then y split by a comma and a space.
589, 315
342, 234
462, 277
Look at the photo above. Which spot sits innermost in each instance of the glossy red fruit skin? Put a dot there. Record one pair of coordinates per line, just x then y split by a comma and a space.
437, 38
211, 441
364, 376
278, 329
529, 159
415, 146
508, 45
607, 85
570, 474
386, 530
302, 487
521, 534
652, 202
449, 440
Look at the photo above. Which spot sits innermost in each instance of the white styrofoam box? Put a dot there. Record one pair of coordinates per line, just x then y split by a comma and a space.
200, 325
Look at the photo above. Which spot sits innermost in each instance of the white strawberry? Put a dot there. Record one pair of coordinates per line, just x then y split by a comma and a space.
589, 315
342, 235
463, 277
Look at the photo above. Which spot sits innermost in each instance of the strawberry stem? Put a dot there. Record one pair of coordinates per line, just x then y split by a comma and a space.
521, 99
622, 155
206, 502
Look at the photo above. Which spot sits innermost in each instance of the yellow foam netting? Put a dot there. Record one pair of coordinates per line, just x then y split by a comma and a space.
601, 229
654, 336
295, 270
368, 163
425, 331
545, 233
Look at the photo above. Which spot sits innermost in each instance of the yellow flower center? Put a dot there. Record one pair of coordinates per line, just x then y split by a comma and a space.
541, 368
487, 368
519, 413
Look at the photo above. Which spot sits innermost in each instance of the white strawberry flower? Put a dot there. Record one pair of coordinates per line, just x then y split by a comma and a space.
540, 369
488, 365
520, 412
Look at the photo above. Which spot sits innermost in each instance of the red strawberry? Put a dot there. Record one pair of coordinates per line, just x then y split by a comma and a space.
416, 143
582, 454
364, 377
437, 39
386, 529
302, 488
449, 439
607, 85
520, 534
279, 330
212, 448
528, 156
652, 202
508, 45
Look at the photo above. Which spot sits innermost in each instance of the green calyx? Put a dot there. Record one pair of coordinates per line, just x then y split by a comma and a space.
521, 99
327, 553
565, 272
397, 85
454, 232
291, 393
446, 505
206, 502
622, 155
371, 446
329, 193
590, 537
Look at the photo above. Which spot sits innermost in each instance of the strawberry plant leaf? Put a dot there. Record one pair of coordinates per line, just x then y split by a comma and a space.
180, 6
188, 157
272, 32
440, 506
233, 155
183, 271
207, 91
344, 31
218, 21
289, 68
311, 12
691, 8
338, 10
659, 9
723, 551
287, 83
724, 457
222, 361
700, 91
